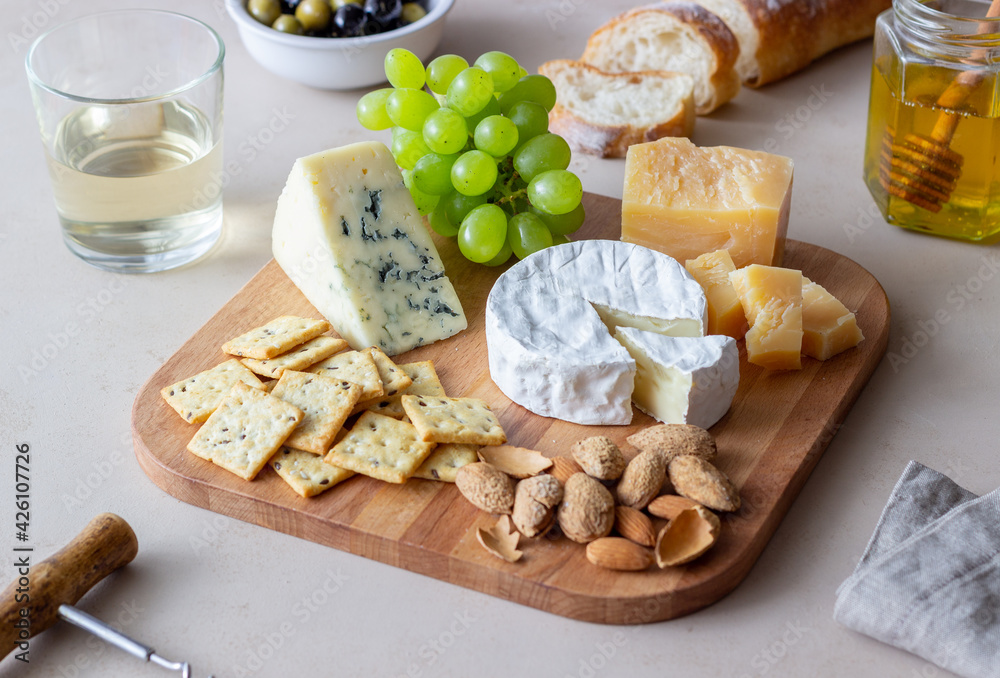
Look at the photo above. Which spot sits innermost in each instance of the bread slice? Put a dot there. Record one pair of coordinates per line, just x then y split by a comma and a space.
780, 37
605, 113
671, 36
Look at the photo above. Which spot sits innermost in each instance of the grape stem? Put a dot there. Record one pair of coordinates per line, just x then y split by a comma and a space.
507, 189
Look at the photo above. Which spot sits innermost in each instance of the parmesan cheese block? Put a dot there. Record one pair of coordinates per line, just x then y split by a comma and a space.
550, 319
725, 313
348, 235
828, 328
683, 380
772, 300
684, 201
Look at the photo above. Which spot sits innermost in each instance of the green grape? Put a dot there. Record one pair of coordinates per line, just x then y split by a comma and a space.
523, 72
527, 234
492, 107
501, 258
404, 69
371, 110
474, 173
425, 203
536, 88
531, 119
543, 153
408, 147
503, 68
441, 71
470, 91
397, 131
556, 191
562, 224
445, 131
432, 173
560, 240
440, 222
483, 233
496, 135
458, 205
410, 107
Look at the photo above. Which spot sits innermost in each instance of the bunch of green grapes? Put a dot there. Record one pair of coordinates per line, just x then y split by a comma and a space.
476, 153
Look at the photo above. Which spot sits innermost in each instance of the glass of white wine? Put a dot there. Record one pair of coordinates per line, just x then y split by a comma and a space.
130, 109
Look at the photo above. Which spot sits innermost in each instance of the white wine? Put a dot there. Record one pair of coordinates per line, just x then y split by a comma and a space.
139, 183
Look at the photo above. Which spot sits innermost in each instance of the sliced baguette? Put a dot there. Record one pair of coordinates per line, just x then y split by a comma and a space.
780, 37
671, 36
605, 113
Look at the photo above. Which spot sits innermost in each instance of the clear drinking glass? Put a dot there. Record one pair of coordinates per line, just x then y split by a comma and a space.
130, 109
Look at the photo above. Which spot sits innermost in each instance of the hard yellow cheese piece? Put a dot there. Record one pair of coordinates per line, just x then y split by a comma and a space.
725, 313
684, 201
772, 300
828, 328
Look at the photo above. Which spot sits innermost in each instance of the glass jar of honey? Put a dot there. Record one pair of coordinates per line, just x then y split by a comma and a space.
931, 156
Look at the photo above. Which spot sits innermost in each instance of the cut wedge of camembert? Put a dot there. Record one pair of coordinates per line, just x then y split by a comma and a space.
550, 320
683, 380
348, 235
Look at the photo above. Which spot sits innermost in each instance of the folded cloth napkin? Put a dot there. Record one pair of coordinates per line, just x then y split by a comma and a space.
929, 580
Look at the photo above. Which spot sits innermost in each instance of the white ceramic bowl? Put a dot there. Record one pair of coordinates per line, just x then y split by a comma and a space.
336, 63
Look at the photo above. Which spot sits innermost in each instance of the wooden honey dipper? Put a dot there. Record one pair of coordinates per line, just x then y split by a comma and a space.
924, 170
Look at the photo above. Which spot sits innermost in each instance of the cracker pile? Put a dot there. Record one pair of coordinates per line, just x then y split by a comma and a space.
595, 491
300, 423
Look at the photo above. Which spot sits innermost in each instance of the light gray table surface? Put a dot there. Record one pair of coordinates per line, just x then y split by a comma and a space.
237, 600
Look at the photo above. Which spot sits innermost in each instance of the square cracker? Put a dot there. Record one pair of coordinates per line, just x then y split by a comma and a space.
245, 430
394, 379
326, 403
276, 337
424, 381
356, 366
197, 397
299, 358
306, 473
445, 460
381, 447
453, 420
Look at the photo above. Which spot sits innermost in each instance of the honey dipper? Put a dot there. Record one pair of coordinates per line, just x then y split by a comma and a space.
923, 170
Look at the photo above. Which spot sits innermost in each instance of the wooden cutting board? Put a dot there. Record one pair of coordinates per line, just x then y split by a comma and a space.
769, 442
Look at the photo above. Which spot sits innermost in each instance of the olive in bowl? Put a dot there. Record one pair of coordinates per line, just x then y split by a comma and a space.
341, 56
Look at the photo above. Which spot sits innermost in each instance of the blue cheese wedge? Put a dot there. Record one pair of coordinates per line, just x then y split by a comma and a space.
348, 235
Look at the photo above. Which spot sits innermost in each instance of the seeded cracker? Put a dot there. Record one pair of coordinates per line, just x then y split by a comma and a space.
454, 420
355, 366
381, 447
197, 397
424, 382
306, 473
245, 430
445, 460
276, 337
326, 403
394, 380
299, 358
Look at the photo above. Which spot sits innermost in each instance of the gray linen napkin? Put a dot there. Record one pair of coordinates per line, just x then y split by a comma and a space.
929, 580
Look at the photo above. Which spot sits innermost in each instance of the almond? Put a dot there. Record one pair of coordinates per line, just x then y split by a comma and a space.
642, 479
587, 511
486, 486
563, 467
687, 536
697, 479
669, 505
616, 553
634, 525
599, 458
517, 462
675, 440
535, 500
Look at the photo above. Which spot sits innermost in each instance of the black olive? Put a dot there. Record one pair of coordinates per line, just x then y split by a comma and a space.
385, 12
349, 20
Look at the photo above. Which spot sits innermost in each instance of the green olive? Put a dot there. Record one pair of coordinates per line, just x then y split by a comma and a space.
264, 11
314, 15
412, 12
286, 23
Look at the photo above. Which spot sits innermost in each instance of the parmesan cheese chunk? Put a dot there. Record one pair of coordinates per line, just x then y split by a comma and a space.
828, 328
725, 313
772, 300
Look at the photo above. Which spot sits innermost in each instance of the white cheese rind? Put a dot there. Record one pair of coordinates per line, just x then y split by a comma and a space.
348, 235
549, 349
683, 380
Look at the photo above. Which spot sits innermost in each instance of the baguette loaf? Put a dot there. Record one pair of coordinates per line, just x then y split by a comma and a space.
671, 36
605, 113
779, 37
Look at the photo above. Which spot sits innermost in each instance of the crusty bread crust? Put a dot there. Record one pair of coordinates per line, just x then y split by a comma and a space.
612, 141
720, 43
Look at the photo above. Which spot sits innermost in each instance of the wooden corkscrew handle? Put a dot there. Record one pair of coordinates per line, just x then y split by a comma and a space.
104, 545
